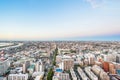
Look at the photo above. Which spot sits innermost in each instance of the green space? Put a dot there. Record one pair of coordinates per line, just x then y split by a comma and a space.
54, 56
51, 72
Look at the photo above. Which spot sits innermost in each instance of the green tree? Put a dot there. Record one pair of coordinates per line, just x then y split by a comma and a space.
50, 74
54, 56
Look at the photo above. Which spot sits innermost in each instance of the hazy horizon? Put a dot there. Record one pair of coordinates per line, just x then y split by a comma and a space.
60, 20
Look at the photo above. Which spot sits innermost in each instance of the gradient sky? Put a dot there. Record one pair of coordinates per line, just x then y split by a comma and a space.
59, 19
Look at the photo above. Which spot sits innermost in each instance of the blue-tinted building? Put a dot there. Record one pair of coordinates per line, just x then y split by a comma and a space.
58, 70
118, 71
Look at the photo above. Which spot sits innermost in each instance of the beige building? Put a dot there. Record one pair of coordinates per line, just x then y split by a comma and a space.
100, 72
67, 64
39, 67
25, 66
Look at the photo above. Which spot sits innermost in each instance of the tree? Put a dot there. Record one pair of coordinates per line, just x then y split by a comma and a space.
50, 74
54, 56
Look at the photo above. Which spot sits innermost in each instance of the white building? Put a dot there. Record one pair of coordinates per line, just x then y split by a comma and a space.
64, 76
4, 65
82, 74
39, 77
35, 74
109, 57
3, 78
100, 72
90, 73
73, 74
18, 77
91, 58
55, 78
39, 66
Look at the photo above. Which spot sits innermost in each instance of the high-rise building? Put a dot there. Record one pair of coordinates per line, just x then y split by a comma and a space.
118, 58
39, 67
112, 69
86, 62
31, 68
67, 64
106, 66
91, 58
25, 66
4, 65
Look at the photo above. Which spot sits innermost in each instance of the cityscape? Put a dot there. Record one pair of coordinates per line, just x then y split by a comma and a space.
59, 39
60, 60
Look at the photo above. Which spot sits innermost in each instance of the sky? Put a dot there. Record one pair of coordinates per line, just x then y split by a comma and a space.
60, 20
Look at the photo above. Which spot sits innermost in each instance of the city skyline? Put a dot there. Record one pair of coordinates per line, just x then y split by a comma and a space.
60, 20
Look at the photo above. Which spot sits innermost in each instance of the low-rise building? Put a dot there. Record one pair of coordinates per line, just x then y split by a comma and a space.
18, 77
74, 77
90, 73
82, 74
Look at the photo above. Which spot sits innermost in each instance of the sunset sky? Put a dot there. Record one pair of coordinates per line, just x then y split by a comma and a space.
59, 19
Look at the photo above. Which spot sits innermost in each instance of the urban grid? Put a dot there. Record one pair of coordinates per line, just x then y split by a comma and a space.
60, 60
59, 39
